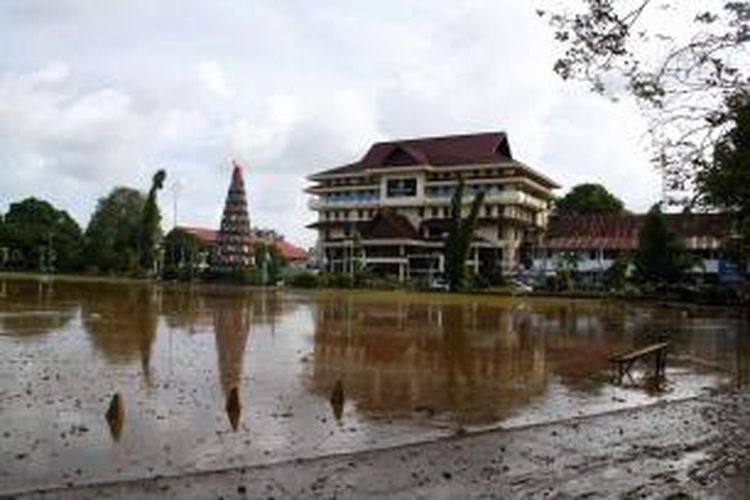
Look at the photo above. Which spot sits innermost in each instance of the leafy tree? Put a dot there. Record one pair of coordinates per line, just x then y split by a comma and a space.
181, 250
566, 270
41, 236
114, 231
660, 258
588, 199
268, 257
724, 183
460, 235
616, 275
151, 226
678, 59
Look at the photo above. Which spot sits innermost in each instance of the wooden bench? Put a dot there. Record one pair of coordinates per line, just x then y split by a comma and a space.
625, 361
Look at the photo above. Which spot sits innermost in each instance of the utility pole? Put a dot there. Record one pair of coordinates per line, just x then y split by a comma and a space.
175, 195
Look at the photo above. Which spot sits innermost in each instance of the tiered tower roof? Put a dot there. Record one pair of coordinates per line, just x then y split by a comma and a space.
234, 242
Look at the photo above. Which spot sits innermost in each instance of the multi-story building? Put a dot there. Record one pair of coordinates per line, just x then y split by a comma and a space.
389, 212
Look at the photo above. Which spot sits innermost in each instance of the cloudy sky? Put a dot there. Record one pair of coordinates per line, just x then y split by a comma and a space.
95, 94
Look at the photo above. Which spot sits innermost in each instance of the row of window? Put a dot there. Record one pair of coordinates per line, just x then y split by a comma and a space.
485, 172
431, 212
447, 191
352, 196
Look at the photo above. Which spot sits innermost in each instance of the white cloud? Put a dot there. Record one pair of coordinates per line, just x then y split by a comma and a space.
287, 89
214, 79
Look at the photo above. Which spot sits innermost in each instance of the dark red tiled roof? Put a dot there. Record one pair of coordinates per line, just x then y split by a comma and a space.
290, 252
388, 224
583, 232
203, 234
468, 149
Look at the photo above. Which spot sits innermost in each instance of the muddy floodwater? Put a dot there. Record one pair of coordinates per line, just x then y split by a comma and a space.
213, 377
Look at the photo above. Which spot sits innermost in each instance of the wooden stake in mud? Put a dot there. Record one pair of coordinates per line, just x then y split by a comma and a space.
116, 415
234, 407
337, 399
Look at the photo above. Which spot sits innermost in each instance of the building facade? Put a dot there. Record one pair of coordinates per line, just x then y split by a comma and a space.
388, 213
592, 243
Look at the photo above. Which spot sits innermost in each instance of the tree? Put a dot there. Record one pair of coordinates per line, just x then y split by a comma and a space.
616, 275
460, 234
181, 251
724, 183
114, 231
678, 59
270, 261
588, 199
151, 225
44, 237
659, 259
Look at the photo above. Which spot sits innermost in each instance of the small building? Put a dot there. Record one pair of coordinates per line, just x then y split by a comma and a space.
593, 242
208, 239
389, 211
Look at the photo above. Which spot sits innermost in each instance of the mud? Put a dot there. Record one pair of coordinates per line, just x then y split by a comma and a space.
117, 382
696, 448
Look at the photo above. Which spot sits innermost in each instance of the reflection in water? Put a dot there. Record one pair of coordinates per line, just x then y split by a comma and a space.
476, 361
122, 320
432, 359
31, 308
233, 316
454, 359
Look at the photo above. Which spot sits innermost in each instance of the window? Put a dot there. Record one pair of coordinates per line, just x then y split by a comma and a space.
434, 212
399, 188
488, 211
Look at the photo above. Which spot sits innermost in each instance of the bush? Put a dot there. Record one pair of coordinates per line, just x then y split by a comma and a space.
339, 280
305, 280
252, 277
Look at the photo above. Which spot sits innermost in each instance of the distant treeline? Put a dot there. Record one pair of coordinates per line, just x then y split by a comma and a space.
123, 235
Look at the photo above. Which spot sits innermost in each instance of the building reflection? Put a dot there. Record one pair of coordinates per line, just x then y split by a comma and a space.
478, 362
447, 359
232, 319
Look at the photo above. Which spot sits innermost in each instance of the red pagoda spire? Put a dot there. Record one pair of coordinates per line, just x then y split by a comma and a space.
234, 242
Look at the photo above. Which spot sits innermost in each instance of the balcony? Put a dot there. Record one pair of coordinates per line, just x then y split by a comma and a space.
506, 197
358, 200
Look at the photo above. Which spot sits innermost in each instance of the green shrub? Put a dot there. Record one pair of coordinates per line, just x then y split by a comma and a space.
305, 280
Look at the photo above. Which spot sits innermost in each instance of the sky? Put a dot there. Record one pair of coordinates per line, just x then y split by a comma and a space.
99, 94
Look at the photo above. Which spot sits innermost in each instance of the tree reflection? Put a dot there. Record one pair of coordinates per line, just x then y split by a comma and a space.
121, 321
35, 307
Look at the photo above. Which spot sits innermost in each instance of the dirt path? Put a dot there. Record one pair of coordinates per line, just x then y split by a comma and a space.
697, 448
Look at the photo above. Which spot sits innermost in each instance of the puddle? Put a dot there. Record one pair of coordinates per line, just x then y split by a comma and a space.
212, 377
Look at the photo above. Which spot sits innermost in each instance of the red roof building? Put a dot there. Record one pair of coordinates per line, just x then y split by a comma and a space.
597, 240
394, 202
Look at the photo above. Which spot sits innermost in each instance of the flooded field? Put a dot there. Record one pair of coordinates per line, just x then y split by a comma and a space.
213, 377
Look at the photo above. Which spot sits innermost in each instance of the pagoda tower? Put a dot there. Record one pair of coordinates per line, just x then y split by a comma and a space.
234, 242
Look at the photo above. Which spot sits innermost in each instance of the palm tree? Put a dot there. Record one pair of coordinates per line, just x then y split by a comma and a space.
460, 235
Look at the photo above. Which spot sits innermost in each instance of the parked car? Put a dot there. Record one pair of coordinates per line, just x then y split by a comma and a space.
439, 284
520, 286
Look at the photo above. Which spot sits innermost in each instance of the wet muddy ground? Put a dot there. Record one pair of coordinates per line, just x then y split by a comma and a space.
215, 379
696, 448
